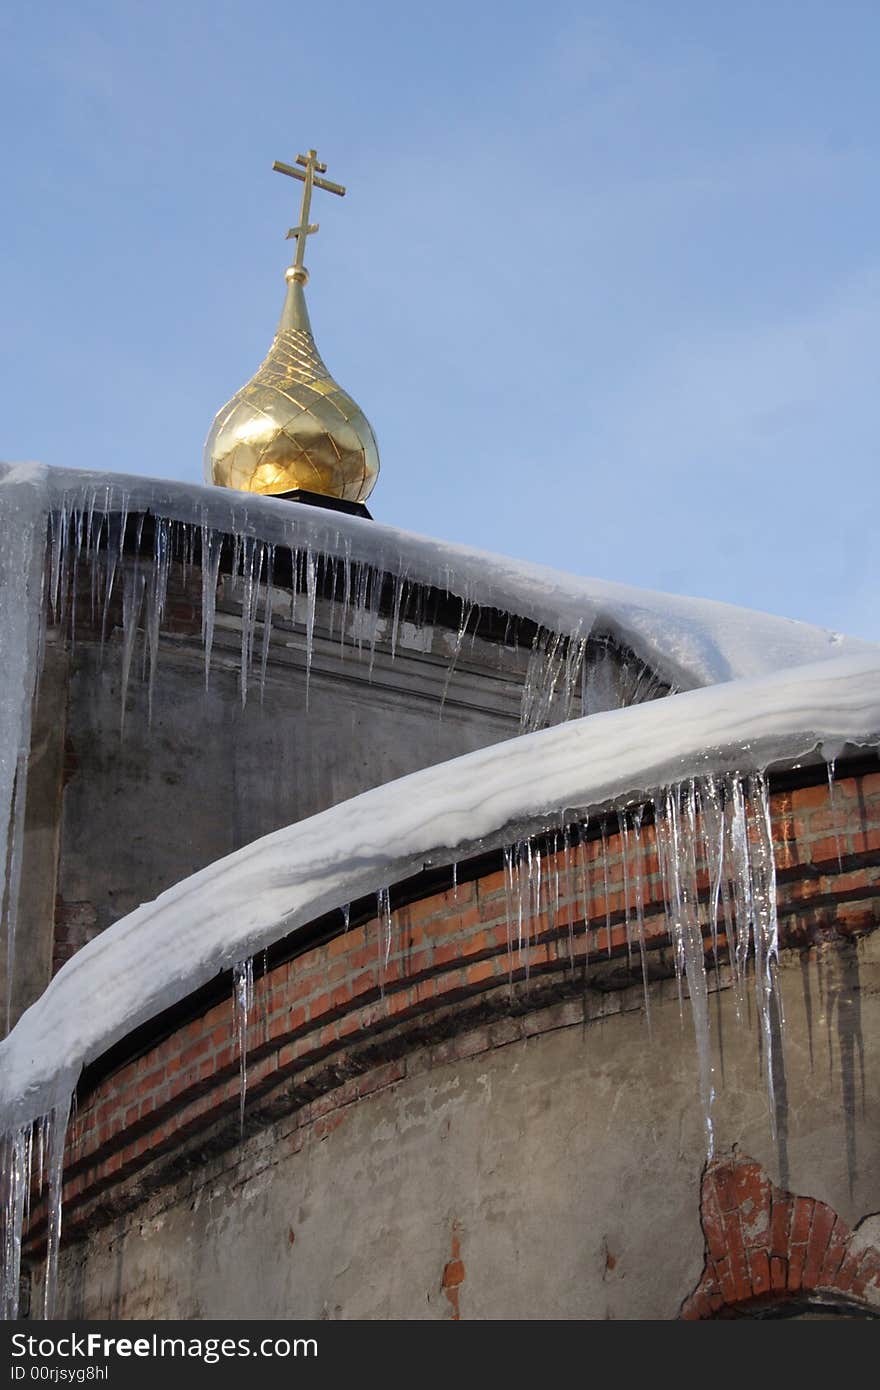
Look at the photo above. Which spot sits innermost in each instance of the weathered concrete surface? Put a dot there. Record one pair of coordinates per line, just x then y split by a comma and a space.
36, 908
553, 1178
143, 812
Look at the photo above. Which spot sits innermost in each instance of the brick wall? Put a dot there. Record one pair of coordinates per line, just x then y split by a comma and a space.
337, 1022
766, 1247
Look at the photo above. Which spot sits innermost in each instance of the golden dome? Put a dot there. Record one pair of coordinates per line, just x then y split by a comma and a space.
292, 427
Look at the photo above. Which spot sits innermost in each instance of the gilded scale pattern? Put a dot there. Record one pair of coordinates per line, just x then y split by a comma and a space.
292, 426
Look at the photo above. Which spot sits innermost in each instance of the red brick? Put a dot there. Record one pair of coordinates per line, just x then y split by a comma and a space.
826, 851
447, 952
341, 996
780, 1221
850, 918
365, 983
453, 1274
820, 1234
865, 840
752, 1189
778, 1273
802, 1217
713, 1224
742, 1276
796, 1256
759, 1269
834, 1253
806, 798
480, 971
194, 1051
419, 961
380, 1077
319, 1006
349, 1023
722, 1181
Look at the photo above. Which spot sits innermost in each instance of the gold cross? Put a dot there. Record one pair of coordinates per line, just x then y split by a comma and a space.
309, 164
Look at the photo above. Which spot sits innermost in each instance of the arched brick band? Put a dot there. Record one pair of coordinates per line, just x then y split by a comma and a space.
766, 1247
337, 1023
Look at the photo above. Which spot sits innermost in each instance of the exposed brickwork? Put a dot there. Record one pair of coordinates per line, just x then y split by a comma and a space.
338, 1012
454, 1274
766, 1248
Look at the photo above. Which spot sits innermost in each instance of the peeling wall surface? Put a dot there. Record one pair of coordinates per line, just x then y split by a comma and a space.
553, 1175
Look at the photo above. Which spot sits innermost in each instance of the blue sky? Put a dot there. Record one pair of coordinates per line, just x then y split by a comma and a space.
606, 280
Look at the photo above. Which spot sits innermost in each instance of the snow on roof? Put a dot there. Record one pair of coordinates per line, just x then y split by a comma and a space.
689, 642
164, 950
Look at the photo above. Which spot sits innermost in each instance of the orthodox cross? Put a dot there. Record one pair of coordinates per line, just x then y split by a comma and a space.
307, 173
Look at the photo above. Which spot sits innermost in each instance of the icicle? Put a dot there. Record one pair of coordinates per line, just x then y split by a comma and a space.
575, 664
695, 966
532, 901
832, 808
638, 813
399, 593
156, 595
546, 662
58, 548
212, 546
583, 858
346, 916
765, 929
311, 597
608, 932
361, 588
623, 828
523, 856
243, 999
554, 896
466, 612
375, 619
330, 585
570, 893
69, 522
743, 907
267, 618
93, 550
134, 583
16, 1151
57, 1136
112, 552
668, 836
252, 559
455, 880
383, 914
346, 599
42, 1137
507, 861
712, 826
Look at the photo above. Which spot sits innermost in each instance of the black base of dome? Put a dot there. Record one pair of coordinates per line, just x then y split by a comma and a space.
319, 499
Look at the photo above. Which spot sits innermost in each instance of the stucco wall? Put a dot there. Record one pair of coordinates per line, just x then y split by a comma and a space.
561, 1168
